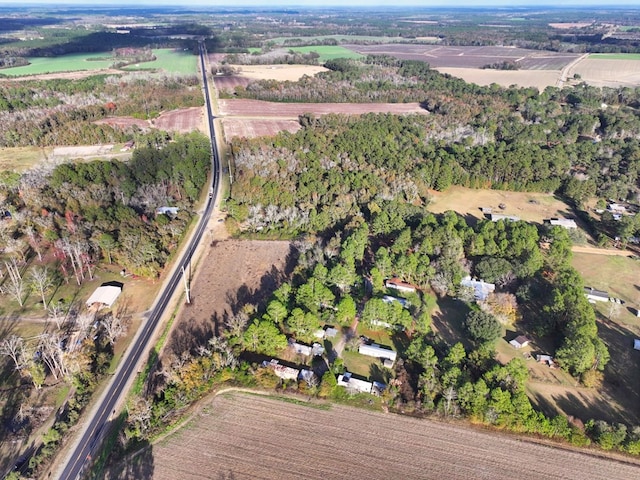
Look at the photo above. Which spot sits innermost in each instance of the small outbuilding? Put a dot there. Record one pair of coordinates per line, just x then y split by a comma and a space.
397, 284
105, 295
636, 344
594, 295
520, 341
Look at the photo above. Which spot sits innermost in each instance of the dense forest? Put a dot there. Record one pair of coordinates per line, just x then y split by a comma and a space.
62, 112
580, 141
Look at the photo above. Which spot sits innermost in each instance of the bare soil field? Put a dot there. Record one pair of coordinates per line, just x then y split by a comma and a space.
531, 207
252, 128
539, 79
66, 75
602, 72
280, 73
258, 108
230, 274
247, 436
183, 120
569, 25
124, 122
470, 57
229, 83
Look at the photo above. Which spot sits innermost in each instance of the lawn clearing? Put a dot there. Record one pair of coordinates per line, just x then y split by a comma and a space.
620, 276
616, 56
530, 207
64, 63
248, 436
171, 61
19, 159
328, 52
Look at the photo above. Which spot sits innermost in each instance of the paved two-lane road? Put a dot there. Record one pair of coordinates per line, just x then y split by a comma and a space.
89, 443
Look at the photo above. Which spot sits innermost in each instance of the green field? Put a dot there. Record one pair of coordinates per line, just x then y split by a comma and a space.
65, 63
328, 52
170, 60
616, 56
166, 59
339, 38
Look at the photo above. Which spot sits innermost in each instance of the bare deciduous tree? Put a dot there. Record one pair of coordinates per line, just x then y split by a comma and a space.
13, 347
58, 313
14, 286
41, 281
114, 327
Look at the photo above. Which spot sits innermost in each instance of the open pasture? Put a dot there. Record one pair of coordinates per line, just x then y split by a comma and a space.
470, 57
65, 63
528, 206
248, 436
170, 61
328, 52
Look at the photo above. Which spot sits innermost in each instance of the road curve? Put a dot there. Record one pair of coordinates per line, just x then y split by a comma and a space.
87, 446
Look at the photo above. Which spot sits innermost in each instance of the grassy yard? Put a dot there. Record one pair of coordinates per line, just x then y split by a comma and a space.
168, 60
328, 52
620, 276
616, 56
19, 159
528, 206
171, 61
65, 63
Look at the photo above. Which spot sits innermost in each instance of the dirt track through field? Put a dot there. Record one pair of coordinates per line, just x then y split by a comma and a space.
240, 436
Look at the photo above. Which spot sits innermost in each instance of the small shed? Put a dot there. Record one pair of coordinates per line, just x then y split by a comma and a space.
636, 344
105, 295
520, 341
330, 332
594, 295
398, 284
301, 349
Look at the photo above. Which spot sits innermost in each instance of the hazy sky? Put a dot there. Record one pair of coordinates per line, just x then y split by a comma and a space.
307, 3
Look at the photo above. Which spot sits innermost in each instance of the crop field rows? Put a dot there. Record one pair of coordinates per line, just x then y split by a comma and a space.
240, 436
253, 108
252, 128
470, 57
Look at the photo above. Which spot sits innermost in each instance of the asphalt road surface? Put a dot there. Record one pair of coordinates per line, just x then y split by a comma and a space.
89, 444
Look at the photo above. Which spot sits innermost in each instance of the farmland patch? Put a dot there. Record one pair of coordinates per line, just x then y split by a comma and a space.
258, 108
241, 436
609, 72
470, 57
539, 79
252, 128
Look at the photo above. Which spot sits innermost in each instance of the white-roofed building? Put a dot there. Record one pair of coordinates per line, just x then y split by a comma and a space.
481, 289
105, 295
354, 385
375, 350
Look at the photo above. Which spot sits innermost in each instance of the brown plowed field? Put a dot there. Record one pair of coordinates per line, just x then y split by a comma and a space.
251, 128
183, 120
470, 57
124, 122
243, 436
231, 273
228, 84
258, 108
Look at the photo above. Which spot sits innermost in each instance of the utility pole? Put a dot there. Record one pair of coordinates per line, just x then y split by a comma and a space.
186, 285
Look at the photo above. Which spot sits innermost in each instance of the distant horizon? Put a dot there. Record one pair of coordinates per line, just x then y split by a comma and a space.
302, 4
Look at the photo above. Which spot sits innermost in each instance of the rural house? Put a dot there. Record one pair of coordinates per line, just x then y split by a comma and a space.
495, 217
567, 223
520, 341
354, 384
375, 350
300, 348
594, 295
481, 289
282, 371
398, 284
391, 299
